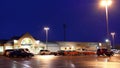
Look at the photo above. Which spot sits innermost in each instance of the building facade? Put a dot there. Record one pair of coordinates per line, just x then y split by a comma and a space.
25, 41
34, 45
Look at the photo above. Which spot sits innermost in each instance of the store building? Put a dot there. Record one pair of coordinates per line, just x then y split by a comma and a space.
34, 45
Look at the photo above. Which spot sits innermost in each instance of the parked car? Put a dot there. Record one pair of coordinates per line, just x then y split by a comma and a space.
88, 53
116, 51
18, 53
45, 52
71, 53
60, 52
67, 53
104, 52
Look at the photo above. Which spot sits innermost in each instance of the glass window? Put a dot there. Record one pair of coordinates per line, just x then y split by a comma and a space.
8, 47
1, 48
26, 41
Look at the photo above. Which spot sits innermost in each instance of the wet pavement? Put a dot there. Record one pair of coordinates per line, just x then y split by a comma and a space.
50, 61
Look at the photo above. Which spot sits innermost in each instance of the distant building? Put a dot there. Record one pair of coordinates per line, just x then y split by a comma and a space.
88, 46
34, 45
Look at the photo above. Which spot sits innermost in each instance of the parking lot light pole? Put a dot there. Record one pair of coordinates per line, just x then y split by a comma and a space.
106, 4
46, 30
113, 37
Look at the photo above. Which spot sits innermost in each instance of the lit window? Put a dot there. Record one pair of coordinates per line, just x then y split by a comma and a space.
26, 41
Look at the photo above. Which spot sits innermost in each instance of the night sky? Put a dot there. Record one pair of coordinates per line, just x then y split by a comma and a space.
84, 19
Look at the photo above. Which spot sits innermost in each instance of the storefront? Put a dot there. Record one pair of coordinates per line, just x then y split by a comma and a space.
25, 41
29, 42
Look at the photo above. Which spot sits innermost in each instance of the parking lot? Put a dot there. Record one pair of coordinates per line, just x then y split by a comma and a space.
51, 61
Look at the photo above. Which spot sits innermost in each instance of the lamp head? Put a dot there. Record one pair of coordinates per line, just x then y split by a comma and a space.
46, 28
106, 2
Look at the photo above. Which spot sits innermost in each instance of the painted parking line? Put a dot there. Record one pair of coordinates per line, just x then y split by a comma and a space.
25, 65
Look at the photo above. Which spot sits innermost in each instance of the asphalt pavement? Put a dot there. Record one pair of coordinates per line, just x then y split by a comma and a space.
50, 61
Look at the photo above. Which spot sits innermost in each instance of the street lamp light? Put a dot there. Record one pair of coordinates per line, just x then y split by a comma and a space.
106, 4
46, 29
113, 37
107, 40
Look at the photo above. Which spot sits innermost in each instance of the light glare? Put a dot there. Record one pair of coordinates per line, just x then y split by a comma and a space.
100, 44
106, 2
37, 42
46, 28
15, 41
113, 33
107, 40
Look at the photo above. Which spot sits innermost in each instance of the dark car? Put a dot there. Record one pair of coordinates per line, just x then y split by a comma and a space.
45, 52
111, 53
104, 52
61, 52
18, 53
25, 53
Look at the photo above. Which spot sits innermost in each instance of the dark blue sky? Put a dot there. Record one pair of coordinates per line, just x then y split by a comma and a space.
85, 19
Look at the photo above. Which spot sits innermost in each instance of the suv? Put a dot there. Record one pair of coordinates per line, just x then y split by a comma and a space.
101, 52
44, 52
104, 52
18, 53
